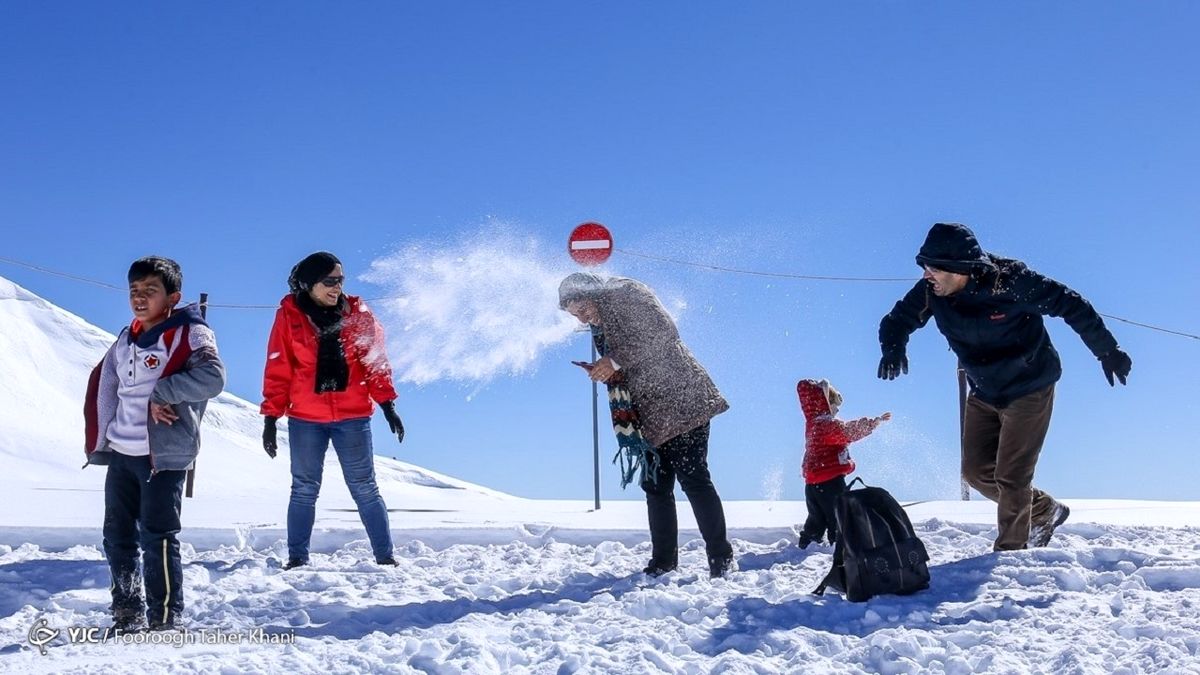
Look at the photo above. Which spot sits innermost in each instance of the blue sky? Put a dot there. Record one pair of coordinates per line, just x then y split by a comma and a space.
800, 138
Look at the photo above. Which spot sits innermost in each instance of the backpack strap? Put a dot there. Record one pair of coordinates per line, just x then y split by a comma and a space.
857, 479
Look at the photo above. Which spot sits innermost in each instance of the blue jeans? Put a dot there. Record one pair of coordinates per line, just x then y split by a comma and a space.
352, 443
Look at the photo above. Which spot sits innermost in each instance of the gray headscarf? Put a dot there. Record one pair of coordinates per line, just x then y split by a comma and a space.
578, 286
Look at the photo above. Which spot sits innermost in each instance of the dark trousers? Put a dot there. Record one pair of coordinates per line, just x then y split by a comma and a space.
821, 499
143, 510
684, 457
999, 454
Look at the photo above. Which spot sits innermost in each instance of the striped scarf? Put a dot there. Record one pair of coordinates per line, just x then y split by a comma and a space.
634, 454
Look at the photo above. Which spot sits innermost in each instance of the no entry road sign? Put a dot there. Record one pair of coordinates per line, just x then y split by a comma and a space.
590, 244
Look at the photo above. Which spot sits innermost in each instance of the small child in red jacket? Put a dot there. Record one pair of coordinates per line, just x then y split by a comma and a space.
826, 455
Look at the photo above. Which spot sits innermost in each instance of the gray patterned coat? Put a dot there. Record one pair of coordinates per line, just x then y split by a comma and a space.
671, 390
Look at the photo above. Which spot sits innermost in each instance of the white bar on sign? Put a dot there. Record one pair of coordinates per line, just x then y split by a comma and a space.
590, 245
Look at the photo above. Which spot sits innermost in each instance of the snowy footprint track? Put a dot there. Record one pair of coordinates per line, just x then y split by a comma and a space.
1100, 598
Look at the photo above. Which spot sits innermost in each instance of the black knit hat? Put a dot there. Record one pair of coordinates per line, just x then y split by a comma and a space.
952, 247
312, 269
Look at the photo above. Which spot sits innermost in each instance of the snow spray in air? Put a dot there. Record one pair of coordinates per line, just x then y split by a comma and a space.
482, 306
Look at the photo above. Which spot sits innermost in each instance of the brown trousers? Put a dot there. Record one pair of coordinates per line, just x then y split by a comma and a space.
999, 454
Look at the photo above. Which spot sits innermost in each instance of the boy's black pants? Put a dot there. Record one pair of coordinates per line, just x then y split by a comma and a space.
140, 509
821, 499
685, 457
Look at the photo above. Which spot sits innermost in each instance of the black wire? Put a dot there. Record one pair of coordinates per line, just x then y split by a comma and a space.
778, 275
716, 268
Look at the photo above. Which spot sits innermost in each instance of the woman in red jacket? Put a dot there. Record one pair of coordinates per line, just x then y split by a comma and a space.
827, 455
326, 363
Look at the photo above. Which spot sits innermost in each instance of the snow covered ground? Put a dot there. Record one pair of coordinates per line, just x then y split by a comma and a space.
556, 589
491, 583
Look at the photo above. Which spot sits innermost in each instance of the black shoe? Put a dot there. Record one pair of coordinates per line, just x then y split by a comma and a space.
657, 569
387, 561
805, 539
720, 566
293, 563
128, 623
1039, 535
158, 626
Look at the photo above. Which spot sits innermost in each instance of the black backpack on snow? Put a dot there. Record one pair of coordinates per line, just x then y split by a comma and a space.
876, 550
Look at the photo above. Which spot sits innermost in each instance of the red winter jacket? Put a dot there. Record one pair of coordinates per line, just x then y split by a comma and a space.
826, 438
289, 382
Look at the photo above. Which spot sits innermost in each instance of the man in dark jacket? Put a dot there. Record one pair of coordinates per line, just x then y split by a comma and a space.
990, 310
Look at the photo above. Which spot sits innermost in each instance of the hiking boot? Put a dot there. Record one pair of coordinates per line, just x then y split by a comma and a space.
656, 569
1039, 535
719, 566
388, 561
293, 563
128, 623
159, 626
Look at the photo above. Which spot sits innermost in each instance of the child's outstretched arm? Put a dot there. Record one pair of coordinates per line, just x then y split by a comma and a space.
858, 429
201, 379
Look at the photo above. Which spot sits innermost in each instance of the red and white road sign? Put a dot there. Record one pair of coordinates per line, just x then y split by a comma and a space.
590, 244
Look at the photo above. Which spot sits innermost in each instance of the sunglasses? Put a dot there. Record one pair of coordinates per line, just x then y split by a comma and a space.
330, 282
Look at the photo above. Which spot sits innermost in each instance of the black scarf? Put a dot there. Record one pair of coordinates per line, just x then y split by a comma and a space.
332, 370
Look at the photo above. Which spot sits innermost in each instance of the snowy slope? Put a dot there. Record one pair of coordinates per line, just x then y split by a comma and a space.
46, 354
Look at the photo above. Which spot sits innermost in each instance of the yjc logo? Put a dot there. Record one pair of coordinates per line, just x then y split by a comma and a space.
41, 635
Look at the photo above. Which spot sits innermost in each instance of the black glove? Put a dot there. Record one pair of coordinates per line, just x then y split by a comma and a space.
893, 365
1116, 363
393, 420
269, 443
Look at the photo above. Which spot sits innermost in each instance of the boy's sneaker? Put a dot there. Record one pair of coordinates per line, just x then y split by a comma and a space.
656, 569
720, 566
293, 563
1039, 535
388, 561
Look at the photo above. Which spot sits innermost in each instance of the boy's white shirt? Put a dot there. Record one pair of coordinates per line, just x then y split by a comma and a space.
138, 371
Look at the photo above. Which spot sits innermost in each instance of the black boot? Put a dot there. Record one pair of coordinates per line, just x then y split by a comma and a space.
128, 623
657, 568
293, 563
719, 566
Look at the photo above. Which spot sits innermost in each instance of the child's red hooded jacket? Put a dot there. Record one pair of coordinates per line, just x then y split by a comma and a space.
289, 383
826, 438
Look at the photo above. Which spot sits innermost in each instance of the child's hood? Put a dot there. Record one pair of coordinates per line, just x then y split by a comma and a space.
812, 399
180, 316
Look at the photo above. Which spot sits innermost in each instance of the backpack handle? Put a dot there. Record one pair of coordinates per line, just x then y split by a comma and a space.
857, 479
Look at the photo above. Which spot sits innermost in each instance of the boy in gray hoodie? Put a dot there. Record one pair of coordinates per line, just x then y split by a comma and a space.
142, 414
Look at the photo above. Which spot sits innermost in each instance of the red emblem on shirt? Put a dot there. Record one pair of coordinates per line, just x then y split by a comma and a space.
151, 361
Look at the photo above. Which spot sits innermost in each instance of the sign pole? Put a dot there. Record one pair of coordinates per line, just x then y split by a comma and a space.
595, 433
591, 244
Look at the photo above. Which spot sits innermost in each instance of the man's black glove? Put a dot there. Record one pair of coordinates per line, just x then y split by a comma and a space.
893, 365
393, 420
269, 443
1116, 363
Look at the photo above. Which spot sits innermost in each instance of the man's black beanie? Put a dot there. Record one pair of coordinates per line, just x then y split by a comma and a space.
952, 247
